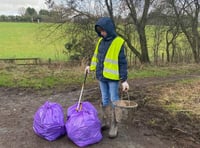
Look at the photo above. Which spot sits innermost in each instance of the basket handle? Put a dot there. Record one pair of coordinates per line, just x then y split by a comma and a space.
122, 96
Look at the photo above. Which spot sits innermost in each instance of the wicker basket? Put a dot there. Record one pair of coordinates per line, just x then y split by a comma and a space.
125, 109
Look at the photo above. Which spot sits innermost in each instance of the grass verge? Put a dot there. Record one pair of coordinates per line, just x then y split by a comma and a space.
58, 75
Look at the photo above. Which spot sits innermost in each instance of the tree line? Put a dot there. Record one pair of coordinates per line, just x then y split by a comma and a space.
31, 15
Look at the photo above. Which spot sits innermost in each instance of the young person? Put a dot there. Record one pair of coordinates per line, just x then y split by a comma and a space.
109, 62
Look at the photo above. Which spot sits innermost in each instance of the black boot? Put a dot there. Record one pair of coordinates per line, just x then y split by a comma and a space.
113, 127
105, 119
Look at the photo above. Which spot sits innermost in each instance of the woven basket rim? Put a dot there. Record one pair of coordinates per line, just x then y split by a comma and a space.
121, 104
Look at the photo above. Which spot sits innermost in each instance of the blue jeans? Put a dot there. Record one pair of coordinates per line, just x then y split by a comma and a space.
109, 91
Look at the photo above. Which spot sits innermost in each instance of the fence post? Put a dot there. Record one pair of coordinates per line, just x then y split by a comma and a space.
163, 57
49, 62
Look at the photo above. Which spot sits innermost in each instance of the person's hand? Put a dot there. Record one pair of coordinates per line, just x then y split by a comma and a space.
87, 69
125, 86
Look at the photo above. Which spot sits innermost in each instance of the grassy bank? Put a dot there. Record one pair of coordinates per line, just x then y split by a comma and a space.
56, 76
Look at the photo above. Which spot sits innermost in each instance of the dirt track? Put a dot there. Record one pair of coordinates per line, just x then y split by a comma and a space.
18, 107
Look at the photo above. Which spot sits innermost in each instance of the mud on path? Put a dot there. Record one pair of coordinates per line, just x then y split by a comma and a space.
17, 107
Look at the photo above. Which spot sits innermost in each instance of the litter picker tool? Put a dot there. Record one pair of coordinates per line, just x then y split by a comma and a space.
81, 94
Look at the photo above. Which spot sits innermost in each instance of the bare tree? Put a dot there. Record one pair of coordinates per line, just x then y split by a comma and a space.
132, 14
22, 11
187, 14
163, 16
171, 35
138, 15
79, 16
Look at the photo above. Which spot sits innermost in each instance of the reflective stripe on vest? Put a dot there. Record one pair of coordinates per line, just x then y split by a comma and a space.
94, 58
111, 67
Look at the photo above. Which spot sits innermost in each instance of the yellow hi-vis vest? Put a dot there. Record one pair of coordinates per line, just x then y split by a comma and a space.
111, 67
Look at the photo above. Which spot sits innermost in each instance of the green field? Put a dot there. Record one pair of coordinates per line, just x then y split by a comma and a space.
44, 40
19, 40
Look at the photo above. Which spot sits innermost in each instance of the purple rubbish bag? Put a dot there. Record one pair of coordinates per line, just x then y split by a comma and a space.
49, 121
83, 127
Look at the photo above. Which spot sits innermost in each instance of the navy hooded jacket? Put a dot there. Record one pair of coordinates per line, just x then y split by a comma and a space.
107, 24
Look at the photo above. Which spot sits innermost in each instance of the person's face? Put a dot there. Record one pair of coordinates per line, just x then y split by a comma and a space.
103, 33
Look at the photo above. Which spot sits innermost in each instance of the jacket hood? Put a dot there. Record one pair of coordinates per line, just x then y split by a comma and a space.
107, 24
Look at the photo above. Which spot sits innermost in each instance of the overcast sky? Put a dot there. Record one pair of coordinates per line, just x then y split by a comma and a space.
12, 7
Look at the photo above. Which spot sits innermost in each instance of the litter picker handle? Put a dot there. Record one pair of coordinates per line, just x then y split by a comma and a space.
81, 94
